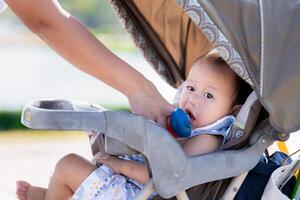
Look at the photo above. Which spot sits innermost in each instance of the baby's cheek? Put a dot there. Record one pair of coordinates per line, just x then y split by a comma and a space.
207, 118
181, 102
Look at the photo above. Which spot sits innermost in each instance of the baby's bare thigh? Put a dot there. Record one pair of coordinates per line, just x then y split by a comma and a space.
74, 169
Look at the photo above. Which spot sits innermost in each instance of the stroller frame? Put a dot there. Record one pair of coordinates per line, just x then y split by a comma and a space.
142, 137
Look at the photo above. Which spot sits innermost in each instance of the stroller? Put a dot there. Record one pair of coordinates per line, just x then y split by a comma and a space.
256, 38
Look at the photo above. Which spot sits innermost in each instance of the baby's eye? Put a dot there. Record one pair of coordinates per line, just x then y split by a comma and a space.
190, 88
208, 95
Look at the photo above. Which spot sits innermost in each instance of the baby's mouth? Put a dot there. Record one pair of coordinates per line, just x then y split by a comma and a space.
190, 114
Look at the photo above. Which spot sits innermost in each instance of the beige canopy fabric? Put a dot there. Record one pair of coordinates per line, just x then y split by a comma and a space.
259, 39
175, 31
165, 34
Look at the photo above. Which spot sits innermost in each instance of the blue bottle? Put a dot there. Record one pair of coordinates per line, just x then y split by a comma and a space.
179, 124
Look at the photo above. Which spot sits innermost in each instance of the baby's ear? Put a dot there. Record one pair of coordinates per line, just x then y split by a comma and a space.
236, 109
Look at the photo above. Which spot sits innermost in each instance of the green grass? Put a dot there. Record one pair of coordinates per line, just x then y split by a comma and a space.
10, 120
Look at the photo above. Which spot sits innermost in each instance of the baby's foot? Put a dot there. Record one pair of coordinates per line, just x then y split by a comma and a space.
25, 191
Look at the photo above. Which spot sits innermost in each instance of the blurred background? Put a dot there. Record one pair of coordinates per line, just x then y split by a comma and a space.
31, 70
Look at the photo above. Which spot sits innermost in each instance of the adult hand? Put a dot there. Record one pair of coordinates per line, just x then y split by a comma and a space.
150, 103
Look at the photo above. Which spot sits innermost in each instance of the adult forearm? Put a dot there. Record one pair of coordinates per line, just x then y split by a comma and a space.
75, 43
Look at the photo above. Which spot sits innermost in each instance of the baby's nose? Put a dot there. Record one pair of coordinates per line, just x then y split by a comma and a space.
195, 99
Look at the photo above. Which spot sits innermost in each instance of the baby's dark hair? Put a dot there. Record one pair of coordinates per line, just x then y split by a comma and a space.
243, 89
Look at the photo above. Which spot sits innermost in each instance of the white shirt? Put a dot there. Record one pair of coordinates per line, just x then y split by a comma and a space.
2, 6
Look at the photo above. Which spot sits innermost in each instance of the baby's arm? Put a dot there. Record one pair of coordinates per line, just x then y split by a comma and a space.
201, 144
131, 169
197, 145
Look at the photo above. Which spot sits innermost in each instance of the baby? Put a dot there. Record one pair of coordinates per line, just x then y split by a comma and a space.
209, 96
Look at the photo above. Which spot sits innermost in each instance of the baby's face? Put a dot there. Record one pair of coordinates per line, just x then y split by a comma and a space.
208, 93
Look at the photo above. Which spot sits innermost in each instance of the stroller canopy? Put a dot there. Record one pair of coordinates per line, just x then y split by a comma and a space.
259, 39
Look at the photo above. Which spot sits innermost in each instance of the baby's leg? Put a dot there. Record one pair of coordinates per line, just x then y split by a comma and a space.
69, 173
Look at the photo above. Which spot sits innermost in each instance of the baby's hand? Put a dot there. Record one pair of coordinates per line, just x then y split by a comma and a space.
99, 157
181, 141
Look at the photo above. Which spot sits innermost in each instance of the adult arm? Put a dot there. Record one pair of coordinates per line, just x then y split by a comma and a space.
71, 39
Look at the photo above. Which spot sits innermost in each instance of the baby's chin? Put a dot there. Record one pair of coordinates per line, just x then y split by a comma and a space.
196, 124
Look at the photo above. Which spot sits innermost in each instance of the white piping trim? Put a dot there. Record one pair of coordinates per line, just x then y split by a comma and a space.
262, 48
